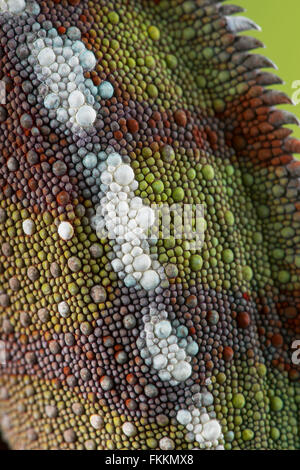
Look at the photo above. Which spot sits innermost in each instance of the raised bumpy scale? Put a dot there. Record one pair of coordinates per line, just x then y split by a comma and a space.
111, 340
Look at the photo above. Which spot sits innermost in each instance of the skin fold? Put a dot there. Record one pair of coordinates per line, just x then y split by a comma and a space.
190, 110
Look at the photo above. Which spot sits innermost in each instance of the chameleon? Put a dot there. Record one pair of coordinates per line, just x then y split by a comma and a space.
111, 340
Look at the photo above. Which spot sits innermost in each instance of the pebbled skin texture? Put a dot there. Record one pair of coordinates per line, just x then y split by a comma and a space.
194, 116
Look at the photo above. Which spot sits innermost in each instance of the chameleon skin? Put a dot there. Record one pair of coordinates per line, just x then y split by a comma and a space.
193, 113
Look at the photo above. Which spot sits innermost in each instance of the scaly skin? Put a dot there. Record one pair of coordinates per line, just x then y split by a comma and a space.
193, 117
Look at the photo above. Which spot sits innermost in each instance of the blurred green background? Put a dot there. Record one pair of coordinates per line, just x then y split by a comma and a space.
279, 21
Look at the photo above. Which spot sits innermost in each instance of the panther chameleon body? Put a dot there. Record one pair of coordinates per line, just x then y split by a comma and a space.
127, 344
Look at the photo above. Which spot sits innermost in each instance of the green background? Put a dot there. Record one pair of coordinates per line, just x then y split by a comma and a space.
280, 24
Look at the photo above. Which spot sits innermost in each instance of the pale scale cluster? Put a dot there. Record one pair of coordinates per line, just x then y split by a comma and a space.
60, 64
167, 347
200, 426
12, 6
121, 216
